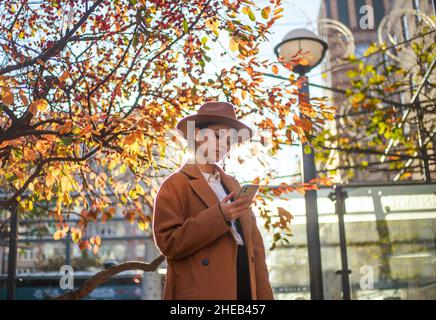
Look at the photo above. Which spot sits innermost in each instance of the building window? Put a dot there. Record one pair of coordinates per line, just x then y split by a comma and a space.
379, 11
328, 8
343, 12
405, 25
416, 7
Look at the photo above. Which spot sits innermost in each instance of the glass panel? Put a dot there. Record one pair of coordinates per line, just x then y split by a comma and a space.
288, 265
391, 248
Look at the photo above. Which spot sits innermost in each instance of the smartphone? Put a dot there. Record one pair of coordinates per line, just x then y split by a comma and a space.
248, 189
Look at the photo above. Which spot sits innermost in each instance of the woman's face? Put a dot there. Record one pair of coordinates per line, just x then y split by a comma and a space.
213, 142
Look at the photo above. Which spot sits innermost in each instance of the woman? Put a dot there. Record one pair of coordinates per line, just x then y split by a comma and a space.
213, 247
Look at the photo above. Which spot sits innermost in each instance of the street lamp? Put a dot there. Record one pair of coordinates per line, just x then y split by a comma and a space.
301, 40
295, 42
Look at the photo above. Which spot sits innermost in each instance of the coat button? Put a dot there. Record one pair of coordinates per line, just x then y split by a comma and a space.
252, 259
205, 261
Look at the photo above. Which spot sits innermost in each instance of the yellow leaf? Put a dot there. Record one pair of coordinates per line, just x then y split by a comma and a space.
76, 234
246, 10
212, 25
98, 241
233, 44
278, 10
244, 94
265, 12
143, 225
42, 104
58, 235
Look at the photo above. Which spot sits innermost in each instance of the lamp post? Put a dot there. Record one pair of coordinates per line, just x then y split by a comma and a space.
302, 40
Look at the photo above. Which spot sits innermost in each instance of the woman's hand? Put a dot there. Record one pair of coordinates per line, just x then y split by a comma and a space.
235, 209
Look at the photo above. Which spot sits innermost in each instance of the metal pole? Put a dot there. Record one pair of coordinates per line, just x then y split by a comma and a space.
310, 198
12, 258
340, 211
421, 138
68, 249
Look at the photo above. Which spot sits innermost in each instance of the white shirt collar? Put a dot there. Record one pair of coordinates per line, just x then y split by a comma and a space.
212, 177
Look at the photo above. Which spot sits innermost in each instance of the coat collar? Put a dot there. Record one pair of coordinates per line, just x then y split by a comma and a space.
208, 196
194, 173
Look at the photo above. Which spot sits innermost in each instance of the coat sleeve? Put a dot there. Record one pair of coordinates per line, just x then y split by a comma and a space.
264, 290
178, 237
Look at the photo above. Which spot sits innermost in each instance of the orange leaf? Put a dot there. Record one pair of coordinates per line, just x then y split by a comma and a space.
303, 62
40, 104
275, 69
23, 98
7, 96
249, 70
64, 76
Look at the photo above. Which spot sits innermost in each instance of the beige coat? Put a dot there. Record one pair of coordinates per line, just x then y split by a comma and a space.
190, 231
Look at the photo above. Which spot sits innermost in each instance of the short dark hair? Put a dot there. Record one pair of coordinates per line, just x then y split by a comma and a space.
203, 125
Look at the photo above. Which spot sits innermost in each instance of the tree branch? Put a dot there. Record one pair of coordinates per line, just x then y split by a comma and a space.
104, 276
59, 45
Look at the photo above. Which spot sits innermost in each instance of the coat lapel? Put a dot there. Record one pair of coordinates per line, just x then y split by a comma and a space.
208, 196
199, 184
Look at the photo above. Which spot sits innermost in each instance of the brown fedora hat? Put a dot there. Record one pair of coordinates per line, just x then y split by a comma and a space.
215, 111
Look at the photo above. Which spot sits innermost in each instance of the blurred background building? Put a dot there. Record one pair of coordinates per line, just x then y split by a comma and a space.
342, 24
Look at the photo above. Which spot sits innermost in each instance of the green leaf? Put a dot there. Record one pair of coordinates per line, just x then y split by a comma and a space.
67, 141
194, 90
185, 26
135, 40
307, 149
